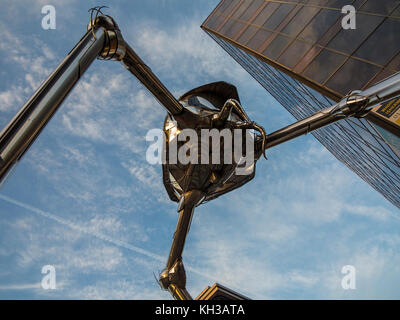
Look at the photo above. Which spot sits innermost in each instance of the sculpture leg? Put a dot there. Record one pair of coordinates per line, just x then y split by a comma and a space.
173, 278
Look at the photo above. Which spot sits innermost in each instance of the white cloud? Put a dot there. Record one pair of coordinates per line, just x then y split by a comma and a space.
184, 53
10, 98
120, 290
34, 61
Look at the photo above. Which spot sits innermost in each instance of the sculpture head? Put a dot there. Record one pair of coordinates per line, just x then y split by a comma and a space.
208, 135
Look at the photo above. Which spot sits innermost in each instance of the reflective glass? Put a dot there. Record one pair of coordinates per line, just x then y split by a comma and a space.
230, 4
278, 16
242, 8
258, 38
396, 13
215, 21
383, 74
224, 5
383, 44
251, 10
337, 4
227, 26
354, 74
319, 25
247, 34
394, 64
236, 26
379, 6
265, 13
347, 40
294, 53
276, 46
323, 66
301, 19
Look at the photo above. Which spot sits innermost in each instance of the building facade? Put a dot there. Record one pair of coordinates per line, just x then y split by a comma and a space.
301, 53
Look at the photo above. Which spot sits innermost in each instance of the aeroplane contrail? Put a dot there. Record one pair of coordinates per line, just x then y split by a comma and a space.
98, 235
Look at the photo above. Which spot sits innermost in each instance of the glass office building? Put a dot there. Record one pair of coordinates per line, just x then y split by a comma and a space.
301, 54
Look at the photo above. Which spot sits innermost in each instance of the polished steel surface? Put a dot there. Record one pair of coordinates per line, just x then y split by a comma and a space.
114, 46
316, 121
213, 179
173, 278
144, 74
383, 91
186, 209
179, 293
212, 106
356, 104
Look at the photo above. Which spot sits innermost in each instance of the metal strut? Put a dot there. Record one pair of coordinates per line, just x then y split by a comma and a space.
355, 104
173, 278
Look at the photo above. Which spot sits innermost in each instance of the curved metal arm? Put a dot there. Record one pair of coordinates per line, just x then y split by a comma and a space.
144, 74
356, 104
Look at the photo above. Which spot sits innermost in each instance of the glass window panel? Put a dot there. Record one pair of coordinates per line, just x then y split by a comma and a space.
390, 138
276, 46
218, 22
301, 19
278, 16
229, 6
319, 25
338, 4
242, 8
228, 24
258, 38
353, 75
348, 40
224, 5
321, 68
247, 34
213, 22
294, 53
234, 28
379, 6
396, 13
251, 10
319, 2
383, 44
383, 74
266, 13
394, 64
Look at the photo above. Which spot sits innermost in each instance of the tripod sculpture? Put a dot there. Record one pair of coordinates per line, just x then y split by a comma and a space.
212, 106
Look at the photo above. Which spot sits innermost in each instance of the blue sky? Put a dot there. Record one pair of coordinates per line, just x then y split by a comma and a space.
84, 199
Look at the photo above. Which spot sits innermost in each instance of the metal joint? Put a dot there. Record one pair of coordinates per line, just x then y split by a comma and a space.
357, 104
114, 44
175, 275
353, 104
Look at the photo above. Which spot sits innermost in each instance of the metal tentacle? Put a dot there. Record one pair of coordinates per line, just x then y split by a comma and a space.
98, 11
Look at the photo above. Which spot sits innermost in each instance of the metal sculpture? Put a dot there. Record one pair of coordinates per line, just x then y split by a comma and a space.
189, 184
